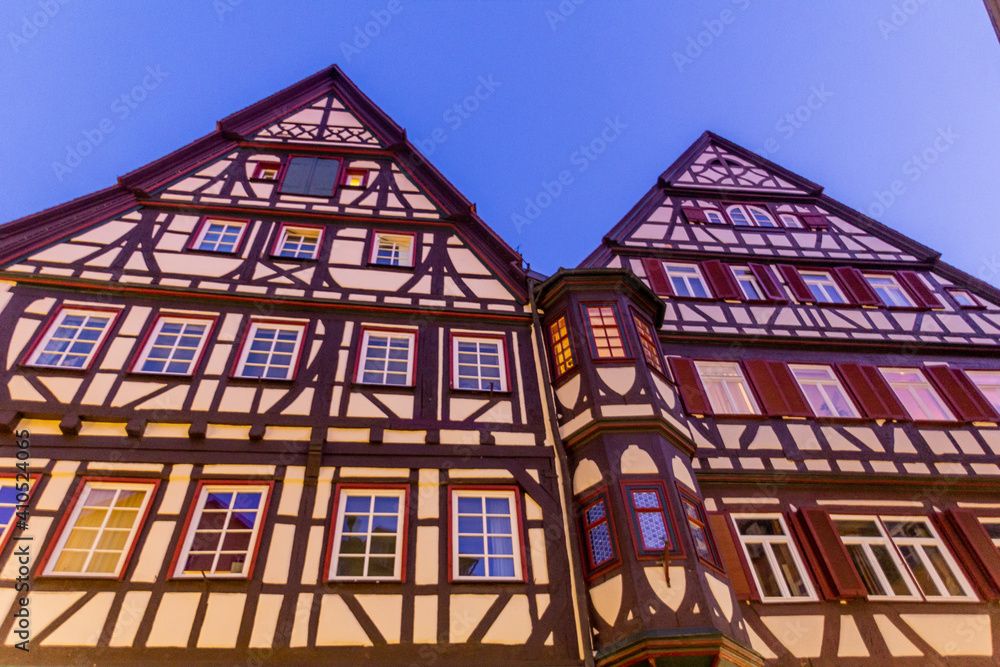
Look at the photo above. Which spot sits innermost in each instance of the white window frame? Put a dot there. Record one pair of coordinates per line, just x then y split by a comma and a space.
303, 232
743, 212
826, 283
54, 326
685, 273
714, 216
990, 389
248, 344
501, 354
744, 273
757, 214
78, 505
766, 541
405, 255
192, 530
884, 540
155, 333
900, 386
890, 292
956, 293
409, 336
515, 529
400, 534
991, 521
707, 377
791, 221
203, 231
825, 388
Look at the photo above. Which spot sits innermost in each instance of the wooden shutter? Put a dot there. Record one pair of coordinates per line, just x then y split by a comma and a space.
922, 295
856, 286
768, 283
694, 214
795, 283
966, 401
657, 276
872, 392
689, 383
814, 221
779, 393
296, 180
980, 558
721, 280
324, 178
731, 554
834, 562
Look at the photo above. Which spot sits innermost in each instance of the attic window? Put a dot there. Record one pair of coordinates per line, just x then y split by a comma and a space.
355, 178
392, 249
312, 176
791, 221
267, 171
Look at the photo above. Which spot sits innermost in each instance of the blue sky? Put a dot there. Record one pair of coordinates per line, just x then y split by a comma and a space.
888, 80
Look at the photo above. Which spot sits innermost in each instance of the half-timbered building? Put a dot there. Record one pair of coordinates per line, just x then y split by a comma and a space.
282, 397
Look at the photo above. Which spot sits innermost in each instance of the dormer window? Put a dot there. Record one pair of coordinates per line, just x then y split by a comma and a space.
964, 298
791, 221
714, 217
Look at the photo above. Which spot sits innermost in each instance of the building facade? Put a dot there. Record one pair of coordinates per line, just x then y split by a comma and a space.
282, 397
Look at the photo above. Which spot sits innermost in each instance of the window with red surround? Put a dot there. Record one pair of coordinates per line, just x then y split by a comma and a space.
561, 347
606, 341
297, 242
267, 171
174, 345
649, 343
652, 524
600, 543
355, 178
704, 545
72, 338
221, 235
270, 350
368, 539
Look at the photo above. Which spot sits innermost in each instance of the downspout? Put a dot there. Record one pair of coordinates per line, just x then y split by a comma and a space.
585, 642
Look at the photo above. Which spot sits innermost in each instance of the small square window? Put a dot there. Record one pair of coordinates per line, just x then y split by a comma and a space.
486, 539
355, 178
728, 391
387, 357
562, 349
479, 363
889, 291
270, 351
73, 338
965, 298
916, 394
297, 242
598, 534
687, 281
823, 287
392, 249
824, 392
606, 340
774, 560
224, 531
369, 534
174, 345
791, 221
219, 235
267, 171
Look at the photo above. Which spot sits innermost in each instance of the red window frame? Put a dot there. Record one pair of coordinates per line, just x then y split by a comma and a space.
260, 166
453, 527
14, 477
203, 223
596, 569
332, 529
355, 171
52, 321
146, 341
245, 340
359, 359
649, 344
642, 552
570, 352
591, 339
452, 352
81, 484
373, 249
689, 499
280, 235
977, 302
172, 572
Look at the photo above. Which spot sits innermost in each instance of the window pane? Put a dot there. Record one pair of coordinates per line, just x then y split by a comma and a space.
600, 544
789, 570
762, 567
911, 557
857, 528
759, 526
889, 569
864, 567
943, 570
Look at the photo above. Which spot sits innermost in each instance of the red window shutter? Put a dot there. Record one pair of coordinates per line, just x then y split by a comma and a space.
657, 276
694, 214
922, 295
835, 563
795, 283
689, 383
814, 221
857, 287
721, 280
732, 556
768, 283
963, 395
873, 393
979, 556
778, 391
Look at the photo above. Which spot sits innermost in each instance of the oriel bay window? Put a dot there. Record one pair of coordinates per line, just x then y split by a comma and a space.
369, 534
775, 563
270, 350
561, 347
486, 534
223, 532
694, 512
387, 357
605, 331
174, 346
652, 523
649, 343
72, 338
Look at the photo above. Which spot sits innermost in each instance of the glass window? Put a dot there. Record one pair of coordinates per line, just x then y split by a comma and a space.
686, 280
739, 216
174, 346
101, 529
220, 235
727, 389
791, 221
387, 358
356, 178
761, 217
597, 533
964, 298
267, 171
562, 350
605, 333
823, 287
988, 382
992, 527
298, 243
695, 515
223, 532
368, 541
872, 553
714, 217
651, 522
485, 535
392, 250
73, 338
270, 351
824, 392
8, 506
478, 363
774, 561
889, 291
916, 394
650, 345
748, 283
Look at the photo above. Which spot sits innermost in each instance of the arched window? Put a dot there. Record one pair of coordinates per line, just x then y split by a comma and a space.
791, 221
761, 217
739, 216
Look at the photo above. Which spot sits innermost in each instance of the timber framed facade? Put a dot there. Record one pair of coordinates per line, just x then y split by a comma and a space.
290, 400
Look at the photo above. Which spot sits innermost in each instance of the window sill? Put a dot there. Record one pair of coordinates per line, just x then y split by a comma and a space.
482, 392
279, 258
621, 361
486, 580
141, 375
390, 267
55, 369
239, 379
565, 377
382, 387
213, 253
